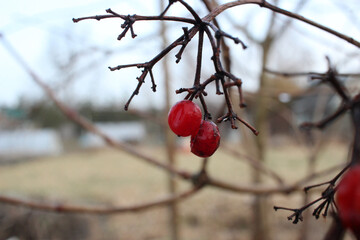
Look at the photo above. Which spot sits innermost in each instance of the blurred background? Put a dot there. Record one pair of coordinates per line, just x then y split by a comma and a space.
46, 157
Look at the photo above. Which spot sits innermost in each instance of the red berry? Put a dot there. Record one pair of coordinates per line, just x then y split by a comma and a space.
184, 118
348, 199
205, 142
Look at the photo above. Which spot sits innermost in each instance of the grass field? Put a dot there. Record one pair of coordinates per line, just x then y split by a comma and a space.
107, 176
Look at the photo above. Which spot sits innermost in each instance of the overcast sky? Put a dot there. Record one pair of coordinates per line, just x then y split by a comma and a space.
42, 31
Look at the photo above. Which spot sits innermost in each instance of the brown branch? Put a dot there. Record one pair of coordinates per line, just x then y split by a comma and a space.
265, 4
191, 10
257, 189
202, 179
310, 74
199, 58
82, 209
216, 28
184, 44
266, 189
293, 74
137, 18
171, 2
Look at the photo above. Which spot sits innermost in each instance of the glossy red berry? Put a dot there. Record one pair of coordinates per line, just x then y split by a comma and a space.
348, 199
205, 142
184, 118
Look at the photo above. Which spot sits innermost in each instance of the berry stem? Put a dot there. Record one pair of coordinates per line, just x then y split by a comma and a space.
199, 59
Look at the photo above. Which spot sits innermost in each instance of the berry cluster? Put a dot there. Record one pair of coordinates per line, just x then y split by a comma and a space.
185, 119
348, 200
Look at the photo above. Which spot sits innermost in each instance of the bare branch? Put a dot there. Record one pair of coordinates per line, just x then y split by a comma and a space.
137, 18
83, 209
310, 74
265, 4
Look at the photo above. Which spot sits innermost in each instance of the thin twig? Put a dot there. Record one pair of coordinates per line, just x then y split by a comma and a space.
137, 18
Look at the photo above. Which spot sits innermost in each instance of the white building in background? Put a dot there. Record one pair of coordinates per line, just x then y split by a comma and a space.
119, 131
24, 143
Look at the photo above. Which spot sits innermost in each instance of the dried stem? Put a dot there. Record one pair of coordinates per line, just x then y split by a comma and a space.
199, 59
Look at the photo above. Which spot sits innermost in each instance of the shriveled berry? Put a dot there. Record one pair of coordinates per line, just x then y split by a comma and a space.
348, 199
205, 142
184, 118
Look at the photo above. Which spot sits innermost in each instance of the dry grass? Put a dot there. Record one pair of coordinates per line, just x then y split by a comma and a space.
109, 176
